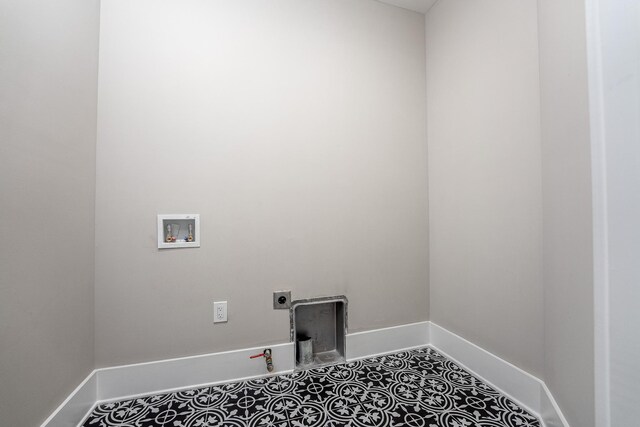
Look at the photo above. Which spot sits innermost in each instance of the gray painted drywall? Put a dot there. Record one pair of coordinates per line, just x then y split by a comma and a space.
296, 130
567, 230
485, 217
48, 87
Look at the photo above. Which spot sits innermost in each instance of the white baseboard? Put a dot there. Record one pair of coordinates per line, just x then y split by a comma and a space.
193, 371
387, 340
186, 372
76, 406
513, 381
550, 412
122, 382
525, 389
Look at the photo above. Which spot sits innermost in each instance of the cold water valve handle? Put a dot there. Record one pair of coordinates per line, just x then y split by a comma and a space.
267, 355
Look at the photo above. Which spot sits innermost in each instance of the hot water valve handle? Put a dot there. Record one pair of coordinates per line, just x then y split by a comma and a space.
267, 355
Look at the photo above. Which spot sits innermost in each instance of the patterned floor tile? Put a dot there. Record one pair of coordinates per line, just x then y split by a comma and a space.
415, 388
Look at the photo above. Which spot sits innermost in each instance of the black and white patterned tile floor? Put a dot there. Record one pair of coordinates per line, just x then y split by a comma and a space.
417, 388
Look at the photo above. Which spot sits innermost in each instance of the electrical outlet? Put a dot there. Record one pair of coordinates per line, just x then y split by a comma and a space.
281, 300
219, 311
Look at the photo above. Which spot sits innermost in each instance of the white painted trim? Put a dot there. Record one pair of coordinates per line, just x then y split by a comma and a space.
513, 381
550, 412
130, 381
387, 340
193, 371
76, 406
188, 372
527, 390
602, 389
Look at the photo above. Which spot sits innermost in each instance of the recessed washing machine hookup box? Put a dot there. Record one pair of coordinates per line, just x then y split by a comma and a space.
318, 330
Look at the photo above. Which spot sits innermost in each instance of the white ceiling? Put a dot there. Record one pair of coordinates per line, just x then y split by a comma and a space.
417, 5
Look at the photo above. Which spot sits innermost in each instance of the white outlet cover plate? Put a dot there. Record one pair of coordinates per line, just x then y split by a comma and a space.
219, 311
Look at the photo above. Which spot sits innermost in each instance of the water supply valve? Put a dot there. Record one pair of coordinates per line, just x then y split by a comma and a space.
267, 357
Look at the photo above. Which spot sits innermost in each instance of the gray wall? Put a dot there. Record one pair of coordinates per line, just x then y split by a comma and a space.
296, 130
566, 160
485, 218
512, 277
48, 77
567, 232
